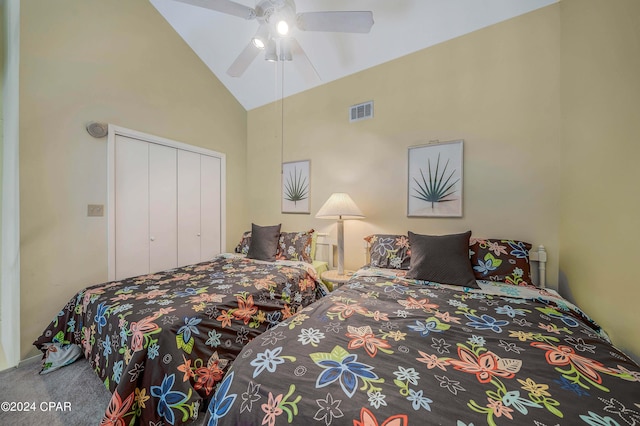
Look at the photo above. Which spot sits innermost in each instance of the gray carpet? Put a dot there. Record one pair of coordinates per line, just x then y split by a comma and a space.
76, 384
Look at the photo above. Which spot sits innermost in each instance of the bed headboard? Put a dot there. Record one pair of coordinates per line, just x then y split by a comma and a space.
537, 255
324, 249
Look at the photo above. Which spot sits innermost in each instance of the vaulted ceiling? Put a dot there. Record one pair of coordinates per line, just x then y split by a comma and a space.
400, 27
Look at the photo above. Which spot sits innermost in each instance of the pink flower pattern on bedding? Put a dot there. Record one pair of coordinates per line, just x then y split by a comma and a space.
385, 350
161, 342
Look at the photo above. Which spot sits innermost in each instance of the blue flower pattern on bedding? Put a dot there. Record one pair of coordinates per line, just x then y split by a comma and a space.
161, 342
384, 350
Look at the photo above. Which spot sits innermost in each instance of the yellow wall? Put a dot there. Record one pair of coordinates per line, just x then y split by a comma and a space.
497, 88
115, 61
1, 90
545, 102
3, 361
1, 100
600, 214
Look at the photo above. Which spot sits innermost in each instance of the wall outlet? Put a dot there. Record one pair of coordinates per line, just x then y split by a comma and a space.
95, 210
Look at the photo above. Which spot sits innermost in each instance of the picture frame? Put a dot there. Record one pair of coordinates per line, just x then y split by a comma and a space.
296, 186
435, 178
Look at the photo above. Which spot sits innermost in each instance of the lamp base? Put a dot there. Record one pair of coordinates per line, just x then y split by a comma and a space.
340, 247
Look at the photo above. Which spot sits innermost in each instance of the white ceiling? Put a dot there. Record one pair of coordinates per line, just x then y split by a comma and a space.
401, 27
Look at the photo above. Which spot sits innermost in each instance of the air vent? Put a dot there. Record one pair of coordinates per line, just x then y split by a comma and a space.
361, 111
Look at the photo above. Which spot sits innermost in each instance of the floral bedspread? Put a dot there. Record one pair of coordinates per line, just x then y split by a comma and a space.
161, 342
388, 351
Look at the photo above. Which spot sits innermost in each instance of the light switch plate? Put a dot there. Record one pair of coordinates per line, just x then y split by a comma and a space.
95, 210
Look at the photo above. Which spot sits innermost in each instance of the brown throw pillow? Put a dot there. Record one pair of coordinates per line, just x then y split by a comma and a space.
442, 259
264, 242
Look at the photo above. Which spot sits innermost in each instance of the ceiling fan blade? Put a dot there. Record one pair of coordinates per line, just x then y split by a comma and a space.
340, 21
225, 6
302, 62
244, 59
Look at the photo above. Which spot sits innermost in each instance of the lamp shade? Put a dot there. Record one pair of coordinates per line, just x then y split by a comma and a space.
339, 206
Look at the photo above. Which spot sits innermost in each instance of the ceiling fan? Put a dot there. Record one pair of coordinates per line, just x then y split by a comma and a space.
276, 18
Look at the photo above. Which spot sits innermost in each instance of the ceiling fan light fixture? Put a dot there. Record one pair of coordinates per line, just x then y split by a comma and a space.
277, 20
282, 27
260, 39
270, 53
285, 50
258, 43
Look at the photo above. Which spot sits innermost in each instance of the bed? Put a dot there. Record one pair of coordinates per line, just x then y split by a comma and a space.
161, 342
387, 348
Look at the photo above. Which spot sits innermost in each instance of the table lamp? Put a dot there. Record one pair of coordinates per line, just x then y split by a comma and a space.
340, 207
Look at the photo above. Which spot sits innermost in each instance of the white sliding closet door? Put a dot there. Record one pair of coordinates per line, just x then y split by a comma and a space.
166, 203
163, 213
210, 207
199, 207
131, 207
188, 208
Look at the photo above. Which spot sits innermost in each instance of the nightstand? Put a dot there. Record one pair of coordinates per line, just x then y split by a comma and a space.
334, 280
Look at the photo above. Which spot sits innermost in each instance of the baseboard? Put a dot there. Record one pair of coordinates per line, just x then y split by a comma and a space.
30, 360
3, 360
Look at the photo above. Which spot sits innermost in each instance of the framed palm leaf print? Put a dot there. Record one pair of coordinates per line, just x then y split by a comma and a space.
435, 180
296, 185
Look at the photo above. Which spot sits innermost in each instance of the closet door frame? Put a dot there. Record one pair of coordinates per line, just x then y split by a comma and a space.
115, 131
